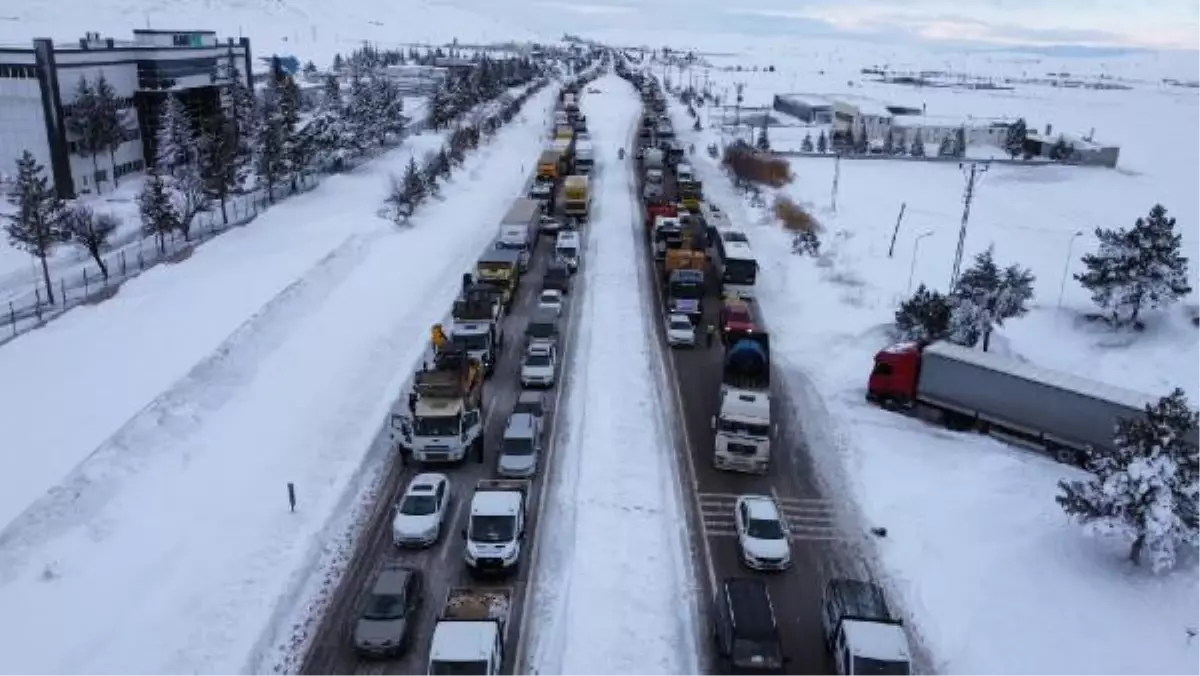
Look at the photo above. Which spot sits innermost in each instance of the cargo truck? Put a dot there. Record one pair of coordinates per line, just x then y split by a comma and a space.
1063, 415
585, 157
742, 427
577, 197
447, 419
519, 229
470, 632
549, 165
566, 150
501, 267
860, 631
653, 158
496, 525
685, 292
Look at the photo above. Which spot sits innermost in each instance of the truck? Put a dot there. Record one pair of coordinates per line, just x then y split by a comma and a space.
860, 631
685, 292
585, 156
570, 101
742, 427
471, 631
447, 418
496, 525
577, 197
1065, 416
549, 166
684, 259
653, 158
564, 132
656, 210
519, 229
501, 267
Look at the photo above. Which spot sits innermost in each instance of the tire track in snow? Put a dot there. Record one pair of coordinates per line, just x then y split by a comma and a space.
177, 412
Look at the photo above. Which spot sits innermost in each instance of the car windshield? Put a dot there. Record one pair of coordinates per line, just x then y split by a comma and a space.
470, 341
743, 429
550, 299
537, 360
442, 668
756, 654
492, 528
384, 607
566, 251
418, 505
867, 665
436, 426
517, 447
538, 330
765, 529
681, 325
690, 290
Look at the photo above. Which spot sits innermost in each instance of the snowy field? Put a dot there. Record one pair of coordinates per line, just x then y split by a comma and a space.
614, 605
993, 576
271, 356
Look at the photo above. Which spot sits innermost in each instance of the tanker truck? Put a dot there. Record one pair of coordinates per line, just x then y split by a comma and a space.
742, 426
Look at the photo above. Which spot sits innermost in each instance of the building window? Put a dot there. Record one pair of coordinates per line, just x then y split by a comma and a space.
16, 71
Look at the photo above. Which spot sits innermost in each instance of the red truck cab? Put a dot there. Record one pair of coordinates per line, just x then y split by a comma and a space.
735, 320
655, 210
895, 374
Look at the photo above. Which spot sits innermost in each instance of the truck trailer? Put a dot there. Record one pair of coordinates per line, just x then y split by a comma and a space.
1064, 415
470, 632
519, 229
577, 197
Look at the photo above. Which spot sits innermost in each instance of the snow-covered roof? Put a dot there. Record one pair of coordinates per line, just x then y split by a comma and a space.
1034, 373
877, 640
463, 641
811, 100
746, 404
865, 104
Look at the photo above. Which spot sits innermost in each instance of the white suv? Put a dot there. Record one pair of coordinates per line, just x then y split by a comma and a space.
763, 538
680, 331
539, 366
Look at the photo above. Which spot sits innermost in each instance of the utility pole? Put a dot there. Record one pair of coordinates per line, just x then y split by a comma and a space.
837, 173
895, 231
968, 196
737, 111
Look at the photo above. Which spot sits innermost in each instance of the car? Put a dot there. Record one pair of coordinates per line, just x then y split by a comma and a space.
762, 536
551, 299
745, 629
520, 446
384, 627
534, 403
680, 332
539, 365
549, 225
421, 511
541, 191
557, 276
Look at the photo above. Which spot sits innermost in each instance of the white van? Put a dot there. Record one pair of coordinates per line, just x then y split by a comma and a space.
684, 173
567, 248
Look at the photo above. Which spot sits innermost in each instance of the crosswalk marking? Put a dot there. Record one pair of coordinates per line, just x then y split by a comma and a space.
805, 518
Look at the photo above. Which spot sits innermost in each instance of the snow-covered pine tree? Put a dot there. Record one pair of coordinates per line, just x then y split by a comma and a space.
984, 296
1147, 490
918, 144
331, 93
89, 231
222, 168
430, 173
338, 62
190, 196
84, 123
443, 162
1136, 269
807, 144
155, 208
822, 142
390, 110
414, 183
175, 139
33, 226
270, 162
1014, 138
923, 317
946, 147
111, 122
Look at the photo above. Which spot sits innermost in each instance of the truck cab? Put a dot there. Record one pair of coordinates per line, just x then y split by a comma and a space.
860, 631
743, 427
447, 419
481, 340
496, 526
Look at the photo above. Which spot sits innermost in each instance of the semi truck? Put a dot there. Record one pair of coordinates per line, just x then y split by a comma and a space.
519, 229
1063, 415
577, 197
742, 427
549, 165
496, 526
860, 631
585, 156
470, 632
685, 292
447, 418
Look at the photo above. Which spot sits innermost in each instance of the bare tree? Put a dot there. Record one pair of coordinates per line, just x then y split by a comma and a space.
90, 231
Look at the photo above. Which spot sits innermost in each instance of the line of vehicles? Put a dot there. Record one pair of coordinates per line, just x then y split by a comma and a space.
443, 419
696, 246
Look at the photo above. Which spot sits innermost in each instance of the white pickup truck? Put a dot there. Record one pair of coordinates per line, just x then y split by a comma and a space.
470, 632
496, 526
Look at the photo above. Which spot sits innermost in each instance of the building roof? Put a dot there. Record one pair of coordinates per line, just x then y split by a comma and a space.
811, 100
865, 104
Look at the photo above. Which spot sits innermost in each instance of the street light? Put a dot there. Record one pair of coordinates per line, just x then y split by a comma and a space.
912, 266
1062, 287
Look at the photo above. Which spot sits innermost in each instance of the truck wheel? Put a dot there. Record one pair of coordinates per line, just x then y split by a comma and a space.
1067, 456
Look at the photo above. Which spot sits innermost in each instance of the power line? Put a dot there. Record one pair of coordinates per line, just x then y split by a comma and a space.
976, 172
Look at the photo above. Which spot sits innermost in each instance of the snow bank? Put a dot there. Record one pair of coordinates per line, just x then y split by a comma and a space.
614, 581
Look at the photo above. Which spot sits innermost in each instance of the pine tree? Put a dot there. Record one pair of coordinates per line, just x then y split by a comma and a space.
270, 146
925, 317
960, 142
175, 140
806, 242
984, 296
443, 162
157, 212
918, 145
310, 68
190, 196
807, 144
338, 62
110, 121
90, 231
84, 123
221, 165
414, 183
1147, 490
34, 224
1014, 138
822, 142
1137, 269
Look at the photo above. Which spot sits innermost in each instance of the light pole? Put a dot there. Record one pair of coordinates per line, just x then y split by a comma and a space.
1062, 287
912, 266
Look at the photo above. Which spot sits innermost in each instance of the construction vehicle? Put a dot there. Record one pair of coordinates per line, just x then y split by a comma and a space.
576, 197
742, 427
501, 267
470, 633
447, 418
496, 525
1066, 416
860, 631
549, 165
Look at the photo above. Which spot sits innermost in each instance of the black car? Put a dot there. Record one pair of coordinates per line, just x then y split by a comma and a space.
744, 628
558, 277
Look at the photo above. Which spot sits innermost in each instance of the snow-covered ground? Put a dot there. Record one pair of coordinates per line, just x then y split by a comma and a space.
994, 578
614, 579
156, 510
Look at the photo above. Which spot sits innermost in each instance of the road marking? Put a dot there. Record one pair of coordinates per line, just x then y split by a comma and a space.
807, 519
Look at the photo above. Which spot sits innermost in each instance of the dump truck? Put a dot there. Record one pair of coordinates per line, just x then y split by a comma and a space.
501, 267
447, 418
684, 259
496, 525
1061, 414
549, 165
577, 197
860, 631
470, 633
519, 229
742, 427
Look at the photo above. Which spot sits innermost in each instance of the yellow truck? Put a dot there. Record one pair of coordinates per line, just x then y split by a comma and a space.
684, 259
577, 197
564, 131
502, 268
549, 164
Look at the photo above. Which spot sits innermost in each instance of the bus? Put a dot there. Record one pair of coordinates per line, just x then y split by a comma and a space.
735, 264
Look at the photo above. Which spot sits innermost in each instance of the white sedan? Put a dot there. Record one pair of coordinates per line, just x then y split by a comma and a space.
421, 512
539, 366
762, 536
552, 299
680, 331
